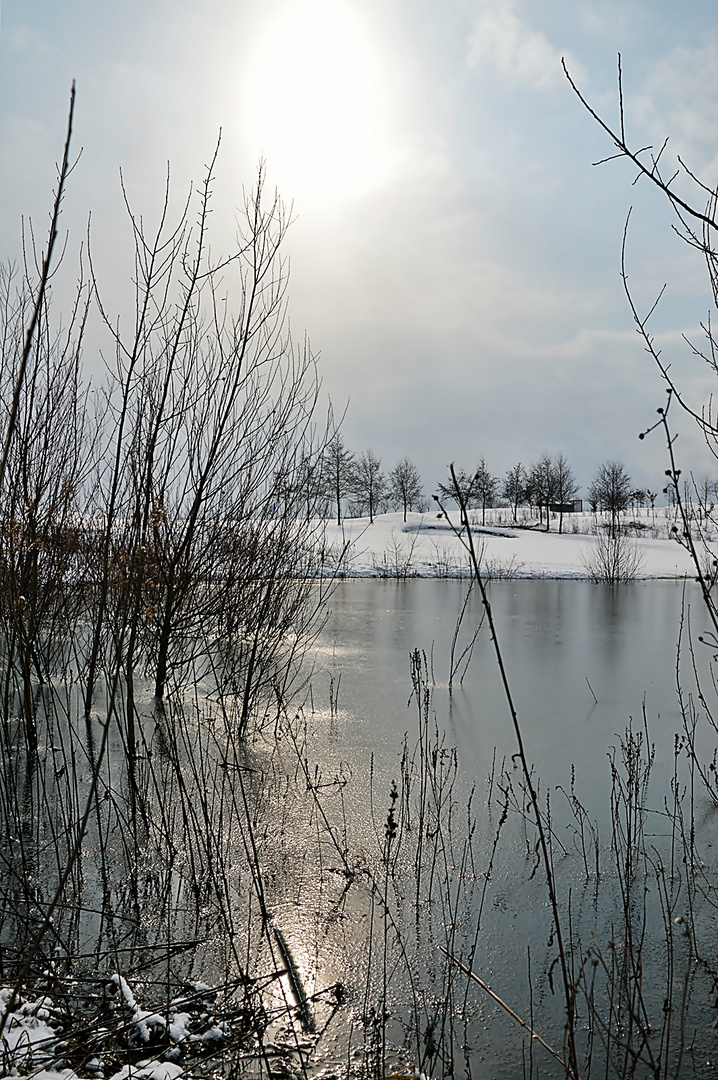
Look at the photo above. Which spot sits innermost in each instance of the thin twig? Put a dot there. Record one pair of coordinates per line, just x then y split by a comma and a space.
507, 1008
64, 172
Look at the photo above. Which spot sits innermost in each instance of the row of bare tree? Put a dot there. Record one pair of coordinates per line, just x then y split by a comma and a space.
342, 482
345, 482
548, 485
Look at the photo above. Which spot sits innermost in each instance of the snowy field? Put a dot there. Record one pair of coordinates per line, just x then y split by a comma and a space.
426, 546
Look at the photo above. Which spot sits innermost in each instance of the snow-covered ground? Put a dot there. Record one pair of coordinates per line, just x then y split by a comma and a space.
37, 1037
426, 546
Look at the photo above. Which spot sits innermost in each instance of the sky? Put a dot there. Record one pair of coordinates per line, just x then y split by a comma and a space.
455, 255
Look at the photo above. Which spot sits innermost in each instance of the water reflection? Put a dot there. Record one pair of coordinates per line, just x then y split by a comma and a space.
592, 671
319, 867
563, 642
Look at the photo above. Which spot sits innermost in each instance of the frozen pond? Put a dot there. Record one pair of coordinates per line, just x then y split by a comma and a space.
582, 660
586, 663
356, 846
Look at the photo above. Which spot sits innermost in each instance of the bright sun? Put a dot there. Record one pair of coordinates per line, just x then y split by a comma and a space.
315, 102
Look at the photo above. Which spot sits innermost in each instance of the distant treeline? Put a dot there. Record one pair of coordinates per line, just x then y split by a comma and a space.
344, 483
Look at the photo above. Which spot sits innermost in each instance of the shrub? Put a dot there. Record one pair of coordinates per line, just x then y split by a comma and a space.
613, 559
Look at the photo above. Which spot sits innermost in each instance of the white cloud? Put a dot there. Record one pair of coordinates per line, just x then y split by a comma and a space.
520, 53
679, 98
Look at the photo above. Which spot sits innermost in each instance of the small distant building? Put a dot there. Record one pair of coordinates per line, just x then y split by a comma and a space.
573, 507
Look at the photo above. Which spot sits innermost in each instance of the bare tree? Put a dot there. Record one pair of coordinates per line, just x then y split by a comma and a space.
180, 501
485, 487
38, 307
610, 491
44, 491
614, 560
307, 481
514, 487
338, 472
566, 487
705, 491
695, 205
43, 464
637, 499
460, 489
542, 486
369, 484
405, 487
471, 490
151, 529
213, 405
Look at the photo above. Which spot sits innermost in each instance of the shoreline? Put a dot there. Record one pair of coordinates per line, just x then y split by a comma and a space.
426, 547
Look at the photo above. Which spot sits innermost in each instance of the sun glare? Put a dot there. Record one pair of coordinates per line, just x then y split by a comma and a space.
315, 102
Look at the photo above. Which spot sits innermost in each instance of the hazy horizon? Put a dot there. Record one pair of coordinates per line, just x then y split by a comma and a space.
455, 255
